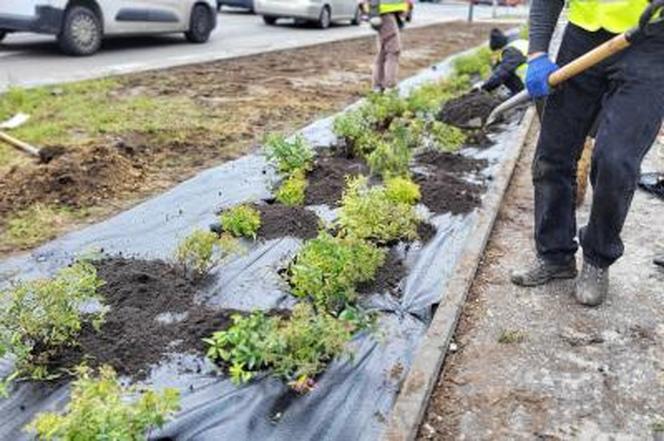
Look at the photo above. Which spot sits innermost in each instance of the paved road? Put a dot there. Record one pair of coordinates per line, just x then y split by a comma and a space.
29, 60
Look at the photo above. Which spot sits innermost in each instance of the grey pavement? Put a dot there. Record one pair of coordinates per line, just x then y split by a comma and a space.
30, 60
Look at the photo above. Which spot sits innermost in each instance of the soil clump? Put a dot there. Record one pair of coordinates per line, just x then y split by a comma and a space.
387, 277
460, 111
279, 220
327, 180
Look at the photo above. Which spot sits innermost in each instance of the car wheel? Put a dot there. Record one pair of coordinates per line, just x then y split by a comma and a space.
200, 25
357, 18
325, 18
81, 32
3, 34
269, 20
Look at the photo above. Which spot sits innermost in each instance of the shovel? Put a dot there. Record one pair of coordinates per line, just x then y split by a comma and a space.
612, 47
44, 155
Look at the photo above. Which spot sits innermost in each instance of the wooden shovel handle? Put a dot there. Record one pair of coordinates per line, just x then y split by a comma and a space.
592, 58
24, 146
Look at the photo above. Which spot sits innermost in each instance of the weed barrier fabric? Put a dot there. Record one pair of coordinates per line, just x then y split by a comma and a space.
352, 399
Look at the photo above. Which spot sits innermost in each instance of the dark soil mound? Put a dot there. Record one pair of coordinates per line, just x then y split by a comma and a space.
451, 162
426, 231
152, 314
327, 179
387, 277
460, 111
279, 220
446, 193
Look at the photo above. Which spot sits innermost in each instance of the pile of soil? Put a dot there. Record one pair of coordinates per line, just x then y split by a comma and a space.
152, 313
444, 187
425, 231
327, 180
279, 220
387, 277
460, 111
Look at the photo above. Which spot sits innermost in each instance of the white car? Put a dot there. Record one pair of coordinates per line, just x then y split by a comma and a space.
321, 12
80, 25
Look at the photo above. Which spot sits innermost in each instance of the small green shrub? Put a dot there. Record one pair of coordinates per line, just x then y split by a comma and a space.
402, 191
477, 63
46, 314
296, 349
350, 126
98, 410
289, 156
446, 137
292, 191
327, 269
428, 98
202, 250
390, 158
241, 221
368, 213
381, 108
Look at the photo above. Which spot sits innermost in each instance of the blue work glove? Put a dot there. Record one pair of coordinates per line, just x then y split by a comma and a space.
537, 76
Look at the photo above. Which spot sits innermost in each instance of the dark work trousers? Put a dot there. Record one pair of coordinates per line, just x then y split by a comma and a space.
629, 88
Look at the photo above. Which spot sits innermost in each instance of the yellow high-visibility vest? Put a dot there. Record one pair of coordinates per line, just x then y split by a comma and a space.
615, 16
389, 6
522, 46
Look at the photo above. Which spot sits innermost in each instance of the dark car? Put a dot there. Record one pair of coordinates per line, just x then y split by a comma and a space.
246, 4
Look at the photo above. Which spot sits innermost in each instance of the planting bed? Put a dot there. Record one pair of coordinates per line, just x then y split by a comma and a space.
353, 397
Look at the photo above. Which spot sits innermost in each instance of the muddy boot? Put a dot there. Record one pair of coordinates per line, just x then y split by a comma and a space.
659, 260
542, 272
593, 285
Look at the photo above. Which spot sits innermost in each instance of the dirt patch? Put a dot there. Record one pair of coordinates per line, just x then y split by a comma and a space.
444, 185
279, 221
387, 277
327, 180
425, 231
152, 314
462, 110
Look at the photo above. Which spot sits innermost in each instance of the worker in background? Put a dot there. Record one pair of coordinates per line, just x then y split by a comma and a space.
385, 16
628, 88
511, 65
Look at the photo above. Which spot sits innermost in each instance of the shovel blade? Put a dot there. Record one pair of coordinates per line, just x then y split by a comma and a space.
516, 100
15, 121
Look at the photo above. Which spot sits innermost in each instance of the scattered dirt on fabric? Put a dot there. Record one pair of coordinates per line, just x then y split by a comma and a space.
328, 178
388, 276
446, 193
451, 162
279, 220
426, 231
152, 313
460, 111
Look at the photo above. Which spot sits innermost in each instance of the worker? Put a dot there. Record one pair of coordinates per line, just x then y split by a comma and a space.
628, 88
386, 18
510, 69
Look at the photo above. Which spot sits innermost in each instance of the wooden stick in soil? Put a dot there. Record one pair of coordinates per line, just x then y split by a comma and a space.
20, 145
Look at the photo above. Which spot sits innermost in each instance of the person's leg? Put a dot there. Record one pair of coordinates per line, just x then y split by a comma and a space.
379, 64
392, 50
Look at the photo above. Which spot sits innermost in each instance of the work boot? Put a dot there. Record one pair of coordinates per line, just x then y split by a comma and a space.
659, 260
593, 285
542, 272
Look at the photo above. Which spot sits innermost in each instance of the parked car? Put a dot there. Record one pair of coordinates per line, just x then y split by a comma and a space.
321, 12
80, 25
246, 4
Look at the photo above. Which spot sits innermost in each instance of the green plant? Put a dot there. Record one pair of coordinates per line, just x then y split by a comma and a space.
390, 158
296, 348
428, 98
46, 314
402, 191
292, 191
381, 108
289, 156
446, 137
98, 410
350, 126
476, 63
368, 213
327, 269
202, 250
241, 220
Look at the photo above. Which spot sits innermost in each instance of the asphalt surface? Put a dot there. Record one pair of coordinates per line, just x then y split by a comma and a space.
30, 60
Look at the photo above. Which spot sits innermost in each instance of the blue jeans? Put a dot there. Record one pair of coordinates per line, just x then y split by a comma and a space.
629, 89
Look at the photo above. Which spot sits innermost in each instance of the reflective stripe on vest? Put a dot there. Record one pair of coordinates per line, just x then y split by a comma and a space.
389, 6
615, 16
522, 46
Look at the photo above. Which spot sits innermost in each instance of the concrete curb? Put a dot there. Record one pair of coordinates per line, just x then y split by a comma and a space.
412, 402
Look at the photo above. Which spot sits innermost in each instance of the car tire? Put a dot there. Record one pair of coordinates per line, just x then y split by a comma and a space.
269, 20
357, 18
200, 25
3, 34
325, 18
81, 32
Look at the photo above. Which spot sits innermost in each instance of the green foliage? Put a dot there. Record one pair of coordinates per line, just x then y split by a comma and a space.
477, 63
402, 191
390, 158
524, 31
98, 410
241, 220
368, 213
381, 108
296, 349
289, 156
292, 191
45, 314
446, 137
327, 269
202, 250
350, 126
428, 98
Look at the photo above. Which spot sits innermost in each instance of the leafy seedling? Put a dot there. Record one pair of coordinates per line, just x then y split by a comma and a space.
241, 221
289, 156
446, 137
477, 63
202, 250
292, 191
402, 191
